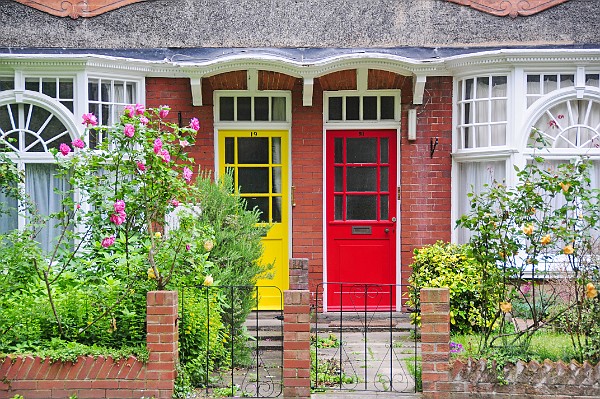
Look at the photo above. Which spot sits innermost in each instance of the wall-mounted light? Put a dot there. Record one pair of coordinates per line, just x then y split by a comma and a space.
412, 124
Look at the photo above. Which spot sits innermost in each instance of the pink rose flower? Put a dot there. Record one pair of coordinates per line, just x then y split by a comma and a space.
118, 218
188, 247
174, 202
195, 124
157, 146
187, 174
144, 120
129, 130
139, 109
129, 110
108, 241
184, 143
64, 149
164, 111
119, 206
164, 154
141, 166
89, 119
78, 143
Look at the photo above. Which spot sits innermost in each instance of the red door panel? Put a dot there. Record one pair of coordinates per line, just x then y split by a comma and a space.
361, 218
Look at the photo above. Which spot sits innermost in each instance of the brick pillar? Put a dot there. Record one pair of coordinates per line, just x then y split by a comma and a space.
296, 344
298, 274
435, 341
162, 339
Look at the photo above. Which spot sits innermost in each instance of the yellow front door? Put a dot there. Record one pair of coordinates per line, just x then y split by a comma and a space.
258, 161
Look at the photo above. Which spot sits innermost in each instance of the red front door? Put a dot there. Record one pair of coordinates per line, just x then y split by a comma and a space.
361, 219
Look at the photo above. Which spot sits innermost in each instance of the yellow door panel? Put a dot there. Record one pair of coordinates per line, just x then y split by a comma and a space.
258, 160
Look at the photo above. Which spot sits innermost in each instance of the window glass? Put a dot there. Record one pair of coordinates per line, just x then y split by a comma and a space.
362, 150
353, 108
369, 108
7, 83
261, 108
278, 109
361, 207
335, 108
244, 108
226, 112
483, 114
472, 178
387, 107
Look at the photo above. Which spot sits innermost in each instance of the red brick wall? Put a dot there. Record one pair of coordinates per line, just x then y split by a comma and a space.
307, 177
103, 377
425, 213
425, 210
177, 93
296, 344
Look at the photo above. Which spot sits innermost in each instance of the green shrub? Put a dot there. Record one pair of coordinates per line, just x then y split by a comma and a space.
448, 265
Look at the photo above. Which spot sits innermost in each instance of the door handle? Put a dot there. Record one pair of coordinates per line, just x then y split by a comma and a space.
387, 230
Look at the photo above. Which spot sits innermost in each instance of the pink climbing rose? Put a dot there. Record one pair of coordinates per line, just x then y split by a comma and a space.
187, 174
141, 166
164, 154
119, 206
157, 146
118, 218
164, 111
64, 149
129, 130
129, 110
78, 143
89, 119
144, 120
108, 241
195, 124
139, 109
174, 202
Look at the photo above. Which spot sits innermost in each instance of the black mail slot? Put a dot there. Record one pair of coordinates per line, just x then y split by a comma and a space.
361, 229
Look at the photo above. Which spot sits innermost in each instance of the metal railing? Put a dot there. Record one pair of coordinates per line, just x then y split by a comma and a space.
367, 342
248, 361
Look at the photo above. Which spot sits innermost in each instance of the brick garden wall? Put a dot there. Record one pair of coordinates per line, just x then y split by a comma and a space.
445, 379
103, 377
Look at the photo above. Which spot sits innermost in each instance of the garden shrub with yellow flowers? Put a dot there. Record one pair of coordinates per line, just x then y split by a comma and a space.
135, 217
537, 247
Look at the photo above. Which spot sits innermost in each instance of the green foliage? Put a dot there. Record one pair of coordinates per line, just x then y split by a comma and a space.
544, 228
234, 257
452, 266
327, 372
89, 291
202, 334
331, 341
416, 370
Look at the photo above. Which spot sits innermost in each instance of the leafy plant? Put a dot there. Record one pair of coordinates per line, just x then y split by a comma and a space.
449, 265
543, 228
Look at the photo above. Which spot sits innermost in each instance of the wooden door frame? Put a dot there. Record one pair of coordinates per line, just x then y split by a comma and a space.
333, 127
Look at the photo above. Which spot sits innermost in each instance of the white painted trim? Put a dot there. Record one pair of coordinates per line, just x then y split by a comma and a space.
539, 107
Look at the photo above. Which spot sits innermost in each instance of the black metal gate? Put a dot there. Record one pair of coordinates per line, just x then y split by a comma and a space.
227, 347
363, 348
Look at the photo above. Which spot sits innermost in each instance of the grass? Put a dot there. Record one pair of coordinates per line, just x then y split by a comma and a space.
415, 372
544, 345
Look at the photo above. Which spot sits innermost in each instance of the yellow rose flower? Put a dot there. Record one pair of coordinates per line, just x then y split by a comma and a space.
208, 245
528, 229
505, 307
565, 186
151, 274
590, 291
157, 234
546, 239
208, 281
568, 250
